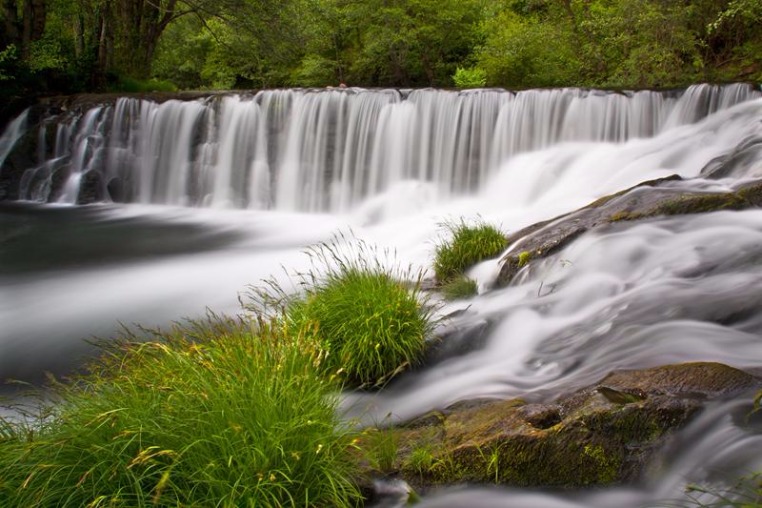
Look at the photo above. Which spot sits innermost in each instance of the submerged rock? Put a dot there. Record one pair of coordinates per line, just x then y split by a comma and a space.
649, 199
601, 435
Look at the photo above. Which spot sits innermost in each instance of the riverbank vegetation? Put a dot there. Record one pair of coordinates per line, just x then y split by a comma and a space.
222, 412
229, 411
86, 45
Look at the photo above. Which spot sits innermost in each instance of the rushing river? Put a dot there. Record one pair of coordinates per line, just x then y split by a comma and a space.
227, 191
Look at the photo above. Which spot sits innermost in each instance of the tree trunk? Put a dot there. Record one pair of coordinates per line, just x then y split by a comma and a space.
11, 25
33, 24
140, 24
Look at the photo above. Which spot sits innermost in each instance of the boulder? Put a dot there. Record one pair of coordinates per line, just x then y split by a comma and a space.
649, 199
600, 435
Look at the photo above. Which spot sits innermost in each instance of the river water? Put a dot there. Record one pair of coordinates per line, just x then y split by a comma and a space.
228, 191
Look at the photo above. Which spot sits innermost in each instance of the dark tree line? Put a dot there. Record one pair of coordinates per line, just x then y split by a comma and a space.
70, 45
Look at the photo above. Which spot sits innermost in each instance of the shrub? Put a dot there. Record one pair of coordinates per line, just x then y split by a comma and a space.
126, 84
473, 77
468, 245
369, 319
220, 413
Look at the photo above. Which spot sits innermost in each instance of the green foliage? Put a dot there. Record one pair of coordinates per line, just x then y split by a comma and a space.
524, 52
218, 413
466, 43
468, 245
8, 62
314, 70
127, 84
371, 320
472, 77
459, 287
380, 447
637, 43
183, 51
411, 42
421, 460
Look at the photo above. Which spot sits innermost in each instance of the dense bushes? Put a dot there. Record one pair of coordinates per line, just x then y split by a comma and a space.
266, 44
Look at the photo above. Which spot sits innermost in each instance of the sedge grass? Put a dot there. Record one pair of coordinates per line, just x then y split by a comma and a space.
365, 311
219, 413
459, 287
467, 245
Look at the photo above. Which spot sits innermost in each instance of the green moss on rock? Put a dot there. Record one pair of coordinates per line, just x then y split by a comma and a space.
585, 439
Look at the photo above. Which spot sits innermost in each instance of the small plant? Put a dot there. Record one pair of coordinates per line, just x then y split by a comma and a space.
380, 446
219, 413
369, 319
491, 463
524, 258
746, 493
459, 287
468, 245
421, 460
473, 77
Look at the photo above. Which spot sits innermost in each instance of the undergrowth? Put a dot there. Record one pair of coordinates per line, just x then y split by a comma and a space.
216, 413
467, 245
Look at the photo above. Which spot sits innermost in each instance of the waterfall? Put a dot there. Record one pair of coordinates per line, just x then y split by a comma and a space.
328, 150
251, 180
11, 135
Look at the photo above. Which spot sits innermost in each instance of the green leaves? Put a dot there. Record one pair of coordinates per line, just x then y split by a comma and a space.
473, 77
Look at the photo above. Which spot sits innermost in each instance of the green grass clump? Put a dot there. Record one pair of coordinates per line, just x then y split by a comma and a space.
468, 245
219, 413
459, 287
369, 319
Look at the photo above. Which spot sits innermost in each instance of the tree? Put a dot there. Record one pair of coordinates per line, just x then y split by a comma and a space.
529, 51
24, 22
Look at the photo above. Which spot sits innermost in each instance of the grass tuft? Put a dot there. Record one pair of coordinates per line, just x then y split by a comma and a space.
459, 287
216, 413
370, 319
468, 244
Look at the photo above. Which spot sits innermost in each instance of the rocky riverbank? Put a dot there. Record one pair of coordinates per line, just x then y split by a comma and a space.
604, 434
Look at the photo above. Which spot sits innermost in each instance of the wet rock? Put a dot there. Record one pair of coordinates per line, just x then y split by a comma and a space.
701, 378
600, 435
649, 199
457, 339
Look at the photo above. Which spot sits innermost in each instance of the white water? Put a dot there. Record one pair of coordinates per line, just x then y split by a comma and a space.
329, 150
626, 296
11, 135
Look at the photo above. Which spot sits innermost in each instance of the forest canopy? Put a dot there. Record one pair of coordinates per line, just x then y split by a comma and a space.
137, 45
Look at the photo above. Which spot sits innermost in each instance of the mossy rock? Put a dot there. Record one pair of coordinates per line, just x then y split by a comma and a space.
647, 200
601, 435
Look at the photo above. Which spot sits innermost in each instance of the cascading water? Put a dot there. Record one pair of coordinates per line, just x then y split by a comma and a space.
226, 190
329, 150
12, 133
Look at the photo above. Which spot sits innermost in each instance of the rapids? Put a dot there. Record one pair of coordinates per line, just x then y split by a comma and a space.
218, 193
